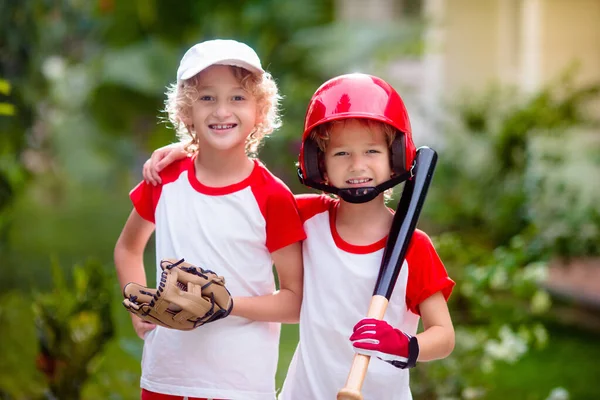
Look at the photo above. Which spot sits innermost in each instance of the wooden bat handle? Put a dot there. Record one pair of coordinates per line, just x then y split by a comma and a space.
360, 364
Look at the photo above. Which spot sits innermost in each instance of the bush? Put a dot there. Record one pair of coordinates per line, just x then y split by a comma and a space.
562, 198
508, 167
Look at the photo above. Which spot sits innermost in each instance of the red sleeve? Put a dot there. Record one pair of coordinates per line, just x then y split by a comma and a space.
426, 272
284, 225
310, 205
144, 198
278, 207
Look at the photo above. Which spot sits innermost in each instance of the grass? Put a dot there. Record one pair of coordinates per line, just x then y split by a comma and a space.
287, 346
570, 361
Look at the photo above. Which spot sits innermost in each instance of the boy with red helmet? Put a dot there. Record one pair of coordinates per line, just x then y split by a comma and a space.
357, 143
222, 210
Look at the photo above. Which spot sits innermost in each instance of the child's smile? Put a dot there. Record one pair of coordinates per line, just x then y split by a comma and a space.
357, 156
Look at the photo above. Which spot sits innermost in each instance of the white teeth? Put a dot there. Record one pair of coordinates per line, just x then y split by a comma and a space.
219, 126
358, 181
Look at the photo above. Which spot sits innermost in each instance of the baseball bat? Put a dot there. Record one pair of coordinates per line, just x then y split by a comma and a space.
403, 226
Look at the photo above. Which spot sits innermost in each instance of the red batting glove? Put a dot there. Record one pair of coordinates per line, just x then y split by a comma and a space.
379, 339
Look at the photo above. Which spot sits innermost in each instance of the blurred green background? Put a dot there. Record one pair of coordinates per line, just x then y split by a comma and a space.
81, 89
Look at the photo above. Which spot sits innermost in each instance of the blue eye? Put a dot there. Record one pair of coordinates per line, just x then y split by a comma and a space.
373, 151
340, 153
239, 98
206, 98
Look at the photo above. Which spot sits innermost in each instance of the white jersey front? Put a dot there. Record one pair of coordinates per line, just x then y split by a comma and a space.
338, 285
233, 231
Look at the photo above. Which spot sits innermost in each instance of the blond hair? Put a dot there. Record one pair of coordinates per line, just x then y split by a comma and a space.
322, 135
181, 97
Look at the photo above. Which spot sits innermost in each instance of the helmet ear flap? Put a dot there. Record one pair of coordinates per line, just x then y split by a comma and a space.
398, 154
313, 161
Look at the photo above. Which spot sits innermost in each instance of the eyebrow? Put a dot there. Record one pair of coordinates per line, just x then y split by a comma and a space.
370, 144
208, 87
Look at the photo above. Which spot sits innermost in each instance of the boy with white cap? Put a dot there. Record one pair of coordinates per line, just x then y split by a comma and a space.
220, 209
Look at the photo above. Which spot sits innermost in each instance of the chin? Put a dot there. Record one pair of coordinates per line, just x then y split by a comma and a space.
226, 145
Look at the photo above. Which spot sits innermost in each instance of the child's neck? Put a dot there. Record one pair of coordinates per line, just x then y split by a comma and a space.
216, 169
363, 224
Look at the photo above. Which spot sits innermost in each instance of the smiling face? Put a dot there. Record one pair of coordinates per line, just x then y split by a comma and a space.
357, 155
223, 114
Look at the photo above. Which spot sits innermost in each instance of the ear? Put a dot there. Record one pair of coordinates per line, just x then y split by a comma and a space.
187, 120
259, 118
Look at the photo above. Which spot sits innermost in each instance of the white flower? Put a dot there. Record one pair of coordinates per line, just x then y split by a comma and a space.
466, 339
535, 272
509, 348
558, 393
53, 67
473, 393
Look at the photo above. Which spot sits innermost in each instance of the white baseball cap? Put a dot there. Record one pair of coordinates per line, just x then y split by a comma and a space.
219, 51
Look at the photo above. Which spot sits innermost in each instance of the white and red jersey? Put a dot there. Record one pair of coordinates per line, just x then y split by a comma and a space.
338, 285
231, 230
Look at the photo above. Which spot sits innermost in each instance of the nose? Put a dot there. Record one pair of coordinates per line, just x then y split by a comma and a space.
222, 110
357, 162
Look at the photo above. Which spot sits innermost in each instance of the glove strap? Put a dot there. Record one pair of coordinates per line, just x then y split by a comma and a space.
413, 354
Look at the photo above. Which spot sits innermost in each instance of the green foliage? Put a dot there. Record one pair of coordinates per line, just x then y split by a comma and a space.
563, 198
496, 308
5, 108
488, 173
512, 189
53, 341
73, 324
568, 364
19, 378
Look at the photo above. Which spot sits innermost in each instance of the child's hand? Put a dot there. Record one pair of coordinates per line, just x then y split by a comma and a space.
378, 338
141, 327
160, 159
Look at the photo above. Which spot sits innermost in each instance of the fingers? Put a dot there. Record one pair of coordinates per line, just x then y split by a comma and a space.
364, 321
366, 345
370, 322
364, 334
150, 172
160, 159
166, 159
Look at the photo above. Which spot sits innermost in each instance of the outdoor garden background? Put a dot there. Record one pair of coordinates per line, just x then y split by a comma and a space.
81, 89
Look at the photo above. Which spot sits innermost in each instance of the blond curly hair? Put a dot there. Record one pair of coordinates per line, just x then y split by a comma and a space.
181, 97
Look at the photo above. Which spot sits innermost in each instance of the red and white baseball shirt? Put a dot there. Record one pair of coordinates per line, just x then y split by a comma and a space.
231, 230
338, 285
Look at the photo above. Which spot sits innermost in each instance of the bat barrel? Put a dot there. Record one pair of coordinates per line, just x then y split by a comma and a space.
409, 208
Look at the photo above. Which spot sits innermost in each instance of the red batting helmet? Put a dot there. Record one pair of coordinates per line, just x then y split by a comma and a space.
357, 96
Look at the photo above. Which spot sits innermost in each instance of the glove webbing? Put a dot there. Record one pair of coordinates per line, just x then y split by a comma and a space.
193, 270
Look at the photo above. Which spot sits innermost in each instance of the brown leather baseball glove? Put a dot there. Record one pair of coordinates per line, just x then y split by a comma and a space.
186, 298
